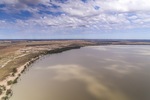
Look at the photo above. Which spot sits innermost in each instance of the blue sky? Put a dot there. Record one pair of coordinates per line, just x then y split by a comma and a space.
74, 19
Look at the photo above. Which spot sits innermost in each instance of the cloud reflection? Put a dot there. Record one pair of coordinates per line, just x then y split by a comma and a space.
93, 85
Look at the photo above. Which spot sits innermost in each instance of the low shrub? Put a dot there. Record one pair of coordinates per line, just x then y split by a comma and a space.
1, 91
9, 91
14, 70
9, 82
5, 98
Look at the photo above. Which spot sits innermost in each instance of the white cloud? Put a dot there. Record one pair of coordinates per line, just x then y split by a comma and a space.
114, 14
125, 5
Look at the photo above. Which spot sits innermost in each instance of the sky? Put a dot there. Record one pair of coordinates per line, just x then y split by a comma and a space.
74, 19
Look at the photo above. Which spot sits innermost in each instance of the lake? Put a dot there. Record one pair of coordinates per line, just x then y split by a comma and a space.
90, 73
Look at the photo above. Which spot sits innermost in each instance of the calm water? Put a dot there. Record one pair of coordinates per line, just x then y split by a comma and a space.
89, 73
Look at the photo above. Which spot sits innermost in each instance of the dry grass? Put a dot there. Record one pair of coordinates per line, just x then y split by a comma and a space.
4, 72
14, 55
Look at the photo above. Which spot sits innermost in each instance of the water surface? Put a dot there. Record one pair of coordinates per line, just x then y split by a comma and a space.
89, 73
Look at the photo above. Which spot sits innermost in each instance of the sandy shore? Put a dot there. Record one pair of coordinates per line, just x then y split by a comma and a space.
12, 78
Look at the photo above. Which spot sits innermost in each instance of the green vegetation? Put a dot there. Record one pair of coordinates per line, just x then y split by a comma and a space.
14, 70
8, 92
3, 87
25, 68
5, 98
9, 82
1, 91
15, 81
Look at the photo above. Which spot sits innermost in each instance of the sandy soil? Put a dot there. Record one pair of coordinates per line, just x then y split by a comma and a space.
12, 78
20, 54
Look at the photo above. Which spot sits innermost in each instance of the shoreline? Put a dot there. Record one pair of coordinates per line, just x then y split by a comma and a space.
20, 70
5, 95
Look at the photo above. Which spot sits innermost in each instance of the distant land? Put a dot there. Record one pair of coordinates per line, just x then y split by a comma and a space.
98, 41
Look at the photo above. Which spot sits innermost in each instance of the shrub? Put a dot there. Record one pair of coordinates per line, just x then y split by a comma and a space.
5, 98
13, 74
14, 70
3, 87
9, 91
1, 91
9, 82
15, 81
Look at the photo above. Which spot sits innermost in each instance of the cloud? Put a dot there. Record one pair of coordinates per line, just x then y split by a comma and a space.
126, 5
101, 14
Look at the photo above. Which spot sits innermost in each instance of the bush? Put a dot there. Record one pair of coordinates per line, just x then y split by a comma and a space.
1, 91
9, 91
14, 70
5, 98
3, 87
15, 81
9, 82
13, 74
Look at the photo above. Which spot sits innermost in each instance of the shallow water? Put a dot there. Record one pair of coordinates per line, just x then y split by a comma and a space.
89, 73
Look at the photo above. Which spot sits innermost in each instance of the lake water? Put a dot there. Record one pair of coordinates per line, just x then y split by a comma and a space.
89, 73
